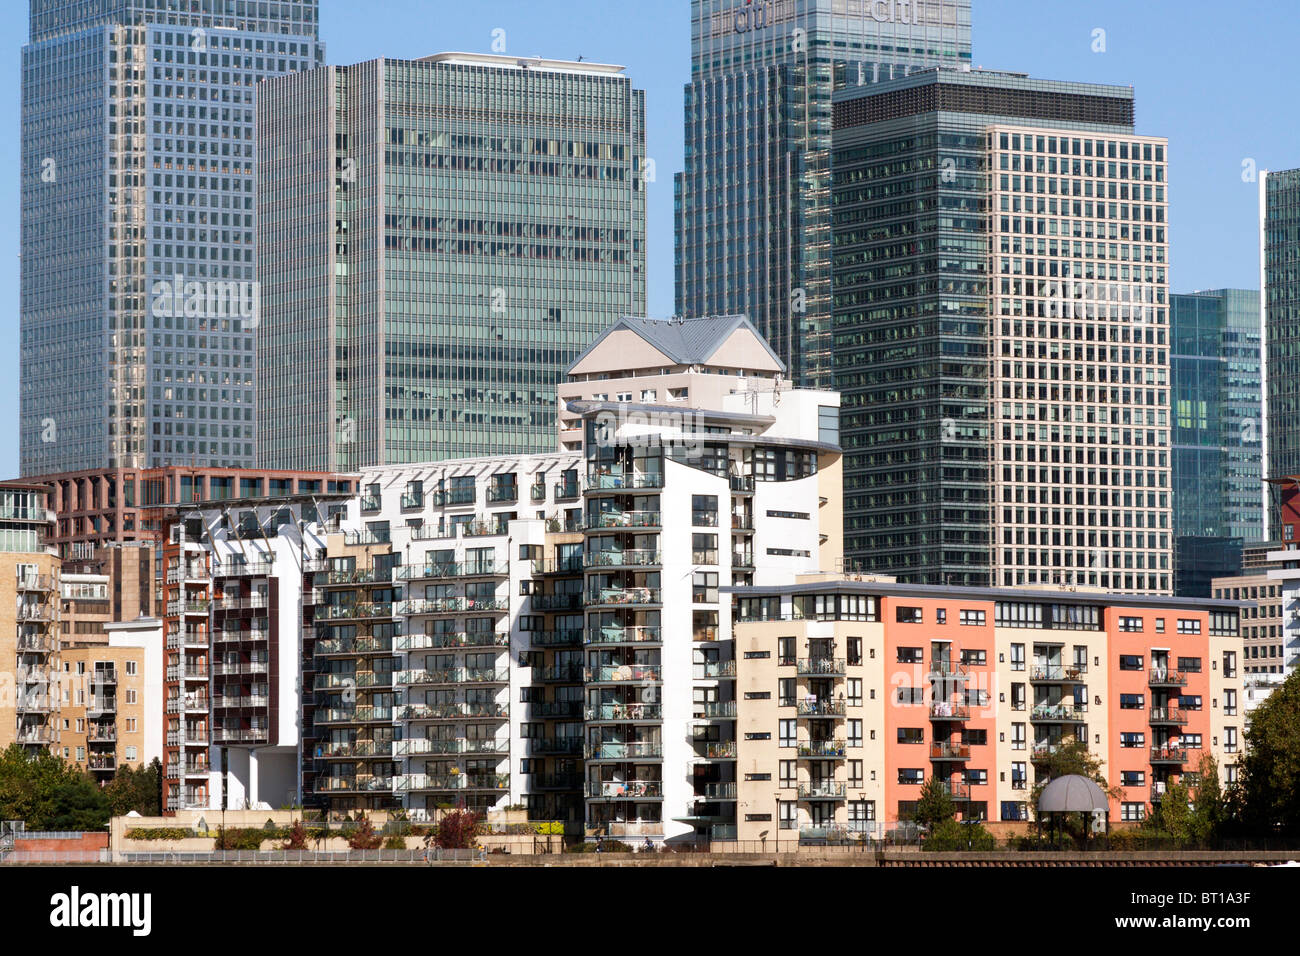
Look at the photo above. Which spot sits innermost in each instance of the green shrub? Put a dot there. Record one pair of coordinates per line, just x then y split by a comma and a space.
241, 839
159, 833
395, 843
949, 836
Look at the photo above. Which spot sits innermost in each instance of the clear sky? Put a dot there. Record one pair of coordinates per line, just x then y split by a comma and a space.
1218, 79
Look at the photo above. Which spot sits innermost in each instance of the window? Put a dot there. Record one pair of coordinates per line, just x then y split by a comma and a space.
758, 695
787, 729
1019, 776
1160, 625
785, 655
909, 696
1191, 741
855, 651
972, 618
911, 776
1189, 625
861, 814
1132, 740
786, 692
908, 615
788, 814
1130, 812
974, 658
131, 753
1132, 701
1132, 778
1130, 662
751, 777
704, 511
787, 768
758, 736
910, 655
855, 733
1017, 696
1017, 657
1190, 702
941, 615
1015, 809
1230, 740
757, 655
130, 668
1189, 665
911, 735
855, 773
1017, 736
1130, 624
1229, 703
976, 778
704, 588
974, 738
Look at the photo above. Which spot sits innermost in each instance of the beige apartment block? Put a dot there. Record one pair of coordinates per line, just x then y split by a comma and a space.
29, 615
821, 686
102, 716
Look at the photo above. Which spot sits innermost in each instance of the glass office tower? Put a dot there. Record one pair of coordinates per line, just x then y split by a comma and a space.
1281, 242
440, 239
138, 232
1001, 332
753, 216
1217, 434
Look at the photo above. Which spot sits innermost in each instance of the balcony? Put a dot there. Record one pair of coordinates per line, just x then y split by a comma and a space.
449, 640
946, 710
34, 704
557, 602
179, 608
624, 596
354, 612
1058, 713
1163, 677
35, 612
371, 503
821, 749
618, 480
622, 673
555, 781
349, 577
958, 791
623, 712
634, 750
1043, 751
32, 736
555, 708
242, 569
822, 667
105, 763
715, 670
626, 790
538, 491
823, 790
742, 560
101, 705
820, 708
942, 669
455, 496
498, 493
624, 519
622, 559
363, 714
422, 747
558, 746
617, 634
452, 675
1168, 755
565, 637
742, 484
468, 569
563, 674
412, 500
454, 711
567, 490
720, 750
251, 602
36, 582
944, 751
715, 710
1056, 674
1168, 715
450, 782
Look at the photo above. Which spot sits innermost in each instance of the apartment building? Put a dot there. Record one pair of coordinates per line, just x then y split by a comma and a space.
29, 617
110, 698
871, 687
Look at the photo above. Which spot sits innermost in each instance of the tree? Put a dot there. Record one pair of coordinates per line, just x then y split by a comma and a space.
1072, 757
48, 793
1211, 806
1172, 817
1270, 770
951, 836
458, 829
935, 804
363, 836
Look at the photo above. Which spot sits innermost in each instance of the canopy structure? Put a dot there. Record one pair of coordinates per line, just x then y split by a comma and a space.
1072, 794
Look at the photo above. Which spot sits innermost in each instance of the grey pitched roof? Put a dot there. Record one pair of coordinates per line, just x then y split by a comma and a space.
685, 341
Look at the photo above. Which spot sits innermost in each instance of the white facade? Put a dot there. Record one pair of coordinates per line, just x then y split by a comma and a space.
146, 633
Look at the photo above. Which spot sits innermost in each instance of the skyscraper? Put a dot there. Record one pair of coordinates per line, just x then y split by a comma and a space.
1217, 434
138, 285
753, 232
1281, 254
1001, 336
441, 238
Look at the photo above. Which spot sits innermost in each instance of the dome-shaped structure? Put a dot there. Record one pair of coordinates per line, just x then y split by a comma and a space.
1072, 794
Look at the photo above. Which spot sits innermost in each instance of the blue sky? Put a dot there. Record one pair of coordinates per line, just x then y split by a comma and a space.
1216, 78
